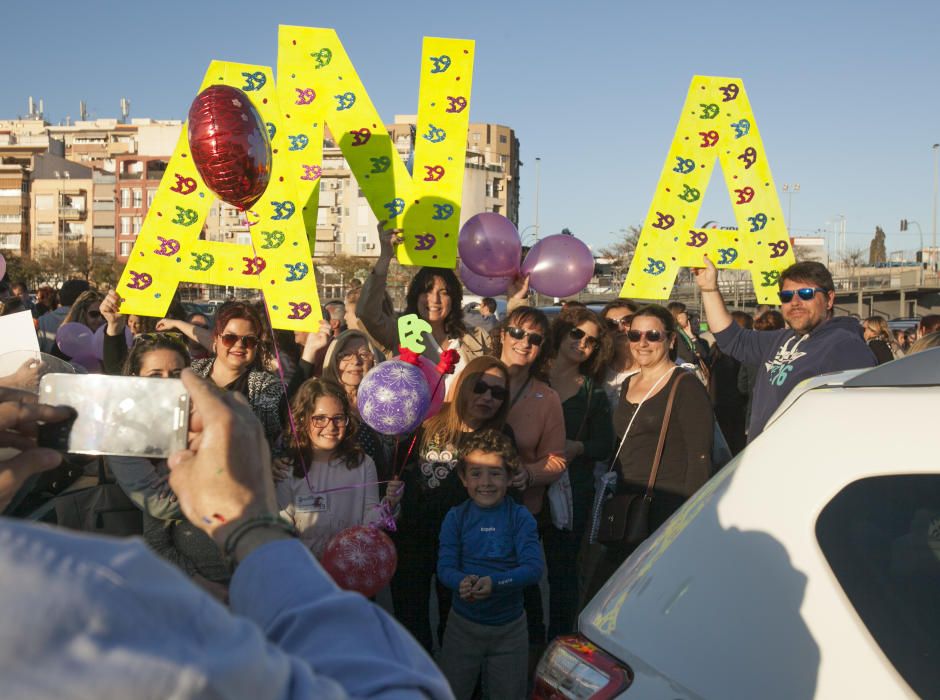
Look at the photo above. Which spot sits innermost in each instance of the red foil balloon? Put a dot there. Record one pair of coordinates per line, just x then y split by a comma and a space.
360, 558
230, 145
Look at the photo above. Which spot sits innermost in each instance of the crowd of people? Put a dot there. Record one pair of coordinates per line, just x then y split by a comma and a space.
491, 498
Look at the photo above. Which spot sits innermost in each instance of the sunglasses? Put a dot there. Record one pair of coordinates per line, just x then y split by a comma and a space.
363, 355
93, 313
518, 334
653, 336
622, 322
499, 393
174, 338
338, 421
578, 334
249, 342
806, 293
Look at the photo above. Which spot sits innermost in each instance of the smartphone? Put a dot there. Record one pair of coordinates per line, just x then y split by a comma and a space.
126, 416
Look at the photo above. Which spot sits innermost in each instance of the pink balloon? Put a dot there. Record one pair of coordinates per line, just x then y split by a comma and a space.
75, 339
482, 285
3, 266
489, 245
435, 384
559, 265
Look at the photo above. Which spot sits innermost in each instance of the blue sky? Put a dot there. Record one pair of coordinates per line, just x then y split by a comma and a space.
846, 94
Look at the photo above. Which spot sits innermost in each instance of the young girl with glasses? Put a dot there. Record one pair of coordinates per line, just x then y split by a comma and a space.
333, 483
478, 399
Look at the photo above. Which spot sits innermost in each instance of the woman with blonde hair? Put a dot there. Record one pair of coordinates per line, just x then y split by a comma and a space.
477, 399
879, 339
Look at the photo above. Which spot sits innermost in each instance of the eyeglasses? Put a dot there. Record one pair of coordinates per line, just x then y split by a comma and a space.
806, 293
621, 323
578, 334
338, 421
499, 393
653, 336
518, 334
363, 355
249, 342
174, 338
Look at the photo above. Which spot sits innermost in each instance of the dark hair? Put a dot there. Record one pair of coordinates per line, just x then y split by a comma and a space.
489, 303
231, 310
771, 320
596, 365
423, 282
619, 304
742, 319
930, 323
302, 407
491, 442
148, 342
21, 284
665, 317
518, 317
71, 290
12, 305
676, 307
89, 299
146, 324
809, 271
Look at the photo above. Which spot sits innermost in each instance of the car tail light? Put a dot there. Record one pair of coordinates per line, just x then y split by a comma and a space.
572, 668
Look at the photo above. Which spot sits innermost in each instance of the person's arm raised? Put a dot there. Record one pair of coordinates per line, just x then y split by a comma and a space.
198, 334
716, 313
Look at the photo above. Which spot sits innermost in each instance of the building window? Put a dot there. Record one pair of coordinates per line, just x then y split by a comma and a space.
44, 229
45, 201
138, 199
126, 248
489, 189
137, 224
126, 198
362, 242
125, 225
503, 139
151, 193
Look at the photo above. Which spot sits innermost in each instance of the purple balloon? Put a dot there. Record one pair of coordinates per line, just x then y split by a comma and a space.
559, 266
489, 245
75, 339
91, 363
484, 286
98, 341
393, 397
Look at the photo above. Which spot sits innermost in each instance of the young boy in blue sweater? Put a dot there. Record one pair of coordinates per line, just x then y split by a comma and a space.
489, 552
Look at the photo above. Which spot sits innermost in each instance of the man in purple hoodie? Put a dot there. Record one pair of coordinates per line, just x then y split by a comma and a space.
815, 343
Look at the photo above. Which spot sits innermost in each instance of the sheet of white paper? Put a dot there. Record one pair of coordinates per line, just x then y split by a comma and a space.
18, 336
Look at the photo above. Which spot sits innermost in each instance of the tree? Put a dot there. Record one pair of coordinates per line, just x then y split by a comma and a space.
621, 252
876, 251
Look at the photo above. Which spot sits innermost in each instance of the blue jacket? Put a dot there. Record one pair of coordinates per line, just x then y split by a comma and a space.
784, 359
501, 542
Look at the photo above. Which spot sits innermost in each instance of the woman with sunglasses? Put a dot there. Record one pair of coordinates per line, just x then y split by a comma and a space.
478, 399
333, 483
538, 422
580, 349
84, 311
686, 458
434, 294
616, 315
166, 530
235, 362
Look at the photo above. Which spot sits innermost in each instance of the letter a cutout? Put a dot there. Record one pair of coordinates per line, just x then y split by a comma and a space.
168, 249
716, 123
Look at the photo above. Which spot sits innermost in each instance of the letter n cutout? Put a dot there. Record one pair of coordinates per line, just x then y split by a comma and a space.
319, 86
716, 123
278, 262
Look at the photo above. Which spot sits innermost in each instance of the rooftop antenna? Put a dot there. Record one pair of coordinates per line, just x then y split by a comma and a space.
29, 113
125, 109
40, 109
82, 110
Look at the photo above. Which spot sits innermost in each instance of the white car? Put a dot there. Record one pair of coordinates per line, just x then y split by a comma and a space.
809, 567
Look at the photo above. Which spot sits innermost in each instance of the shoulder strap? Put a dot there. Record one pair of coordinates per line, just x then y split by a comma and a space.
589, 387
662, 436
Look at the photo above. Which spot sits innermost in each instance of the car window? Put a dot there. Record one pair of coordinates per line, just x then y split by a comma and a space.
881, 536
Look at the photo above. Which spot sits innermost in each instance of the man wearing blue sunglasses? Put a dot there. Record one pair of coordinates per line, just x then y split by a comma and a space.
815, 342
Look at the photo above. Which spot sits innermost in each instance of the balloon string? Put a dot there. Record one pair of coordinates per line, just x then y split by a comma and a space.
280, 369
354, 486
407, 454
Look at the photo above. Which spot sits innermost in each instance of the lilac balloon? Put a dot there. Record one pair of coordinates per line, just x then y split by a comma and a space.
98, 340
75, 339
489, 245
559, 266
484, 286
3, 266
89, 362
393, 397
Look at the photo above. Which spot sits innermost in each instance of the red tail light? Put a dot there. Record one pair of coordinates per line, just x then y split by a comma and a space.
573, 669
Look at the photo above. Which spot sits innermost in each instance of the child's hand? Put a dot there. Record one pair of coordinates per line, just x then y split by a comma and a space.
394, 493
466, 587
482, 588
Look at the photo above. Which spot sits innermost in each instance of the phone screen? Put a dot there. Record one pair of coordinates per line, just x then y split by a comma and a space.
130, 416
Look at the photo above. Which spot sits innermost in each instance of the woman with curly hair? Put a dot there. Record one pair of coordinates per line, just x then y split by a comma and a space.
880, 340
333, 483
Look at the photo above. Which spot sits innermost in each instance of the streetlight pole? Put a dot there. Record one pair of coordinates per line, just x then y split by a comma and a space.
936, 187
538, 183
790, 189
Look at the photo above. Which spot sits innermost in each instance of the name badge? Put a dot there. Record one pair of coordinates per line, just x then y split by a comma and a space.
313, 503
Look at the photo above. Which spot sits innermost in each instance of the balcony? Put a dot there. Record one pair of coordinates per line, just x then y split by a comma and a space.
10, 241
71, 214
